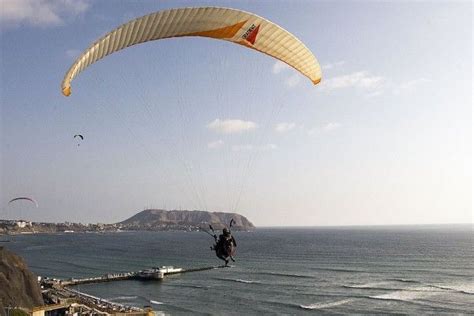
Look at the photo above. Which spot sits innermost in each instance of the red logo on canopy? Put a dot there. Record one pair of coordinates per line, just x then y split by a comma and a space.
251, 34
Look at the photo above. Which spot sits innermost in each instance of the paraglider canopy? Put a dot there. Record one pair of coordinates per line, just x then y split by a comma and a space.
23, 198
79, 136
231, 25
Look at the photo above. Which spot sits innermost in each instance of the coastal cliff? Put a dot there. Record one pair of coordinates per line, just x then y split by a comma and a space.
160, 219
18, 285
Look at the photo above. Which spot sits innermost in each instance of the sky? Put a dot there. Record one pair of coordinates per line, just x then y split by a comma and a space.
193, 123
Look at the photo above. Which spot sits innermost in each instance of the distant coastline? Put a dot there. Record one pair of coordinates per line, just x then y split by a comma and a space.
147, 220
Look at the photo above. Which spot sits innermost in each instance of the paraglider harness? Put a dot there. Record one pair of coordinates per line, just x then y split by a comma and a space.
224, 245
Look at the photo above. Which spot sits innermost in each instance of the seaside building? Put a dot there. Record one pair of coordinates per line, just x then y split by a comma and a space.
23, 224
72, 307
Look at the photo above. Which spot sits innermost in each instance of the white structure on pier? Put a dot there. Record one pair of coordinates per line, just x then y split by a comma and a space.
158, 273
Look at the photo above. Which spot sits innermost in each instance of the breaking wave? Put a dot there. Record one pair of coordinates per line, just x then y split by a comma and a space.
122, 298
245, 281
322, 305
239, 280
374, 285
460, 288
407, 295
403, 280
290, 275
156, 302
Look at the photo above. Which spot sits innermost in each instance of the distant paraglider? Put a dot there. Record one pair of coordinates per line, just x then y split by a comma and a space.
79, 136
23, 198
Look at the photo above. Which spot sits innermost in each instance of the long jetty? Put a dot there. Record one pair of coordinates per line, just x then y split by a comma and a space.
130, 276
199, 269
99, 279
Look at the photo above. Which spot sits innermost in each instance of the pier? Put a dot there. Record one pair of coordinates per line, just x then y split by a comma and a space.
58, 291
148, 274
104, 278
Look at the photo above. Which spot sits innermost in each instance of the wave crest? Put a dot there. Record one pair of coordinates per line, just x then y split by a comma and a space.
290, 275
460, 288
407, 295
122, 298
322, 305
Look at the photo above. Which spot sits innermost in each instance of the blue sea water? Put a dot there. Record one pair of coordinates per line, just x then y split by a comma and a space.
289, 271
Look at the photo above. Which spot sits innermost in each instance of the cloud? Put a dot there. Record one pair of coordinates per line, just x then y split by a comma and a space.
215, 144
290, 81
40, 12
333, 65
248, 147
231, 126
284, 127
410, 86
331, 126
293, 80
328, 127
362, 80
73, 53
279, 66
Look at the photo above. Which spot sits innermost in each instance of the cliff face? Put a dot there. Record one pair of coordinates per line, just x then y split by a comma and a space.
18, 285
160, 218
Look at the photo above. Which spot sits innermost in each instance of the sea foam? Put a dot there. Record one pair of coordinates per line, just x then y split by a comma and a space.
373, 285
409, 294
246, 281
122, 298
322, 305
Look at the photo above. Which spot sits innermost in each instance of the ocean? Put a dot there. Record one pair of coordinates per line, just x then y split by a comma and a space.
288, 271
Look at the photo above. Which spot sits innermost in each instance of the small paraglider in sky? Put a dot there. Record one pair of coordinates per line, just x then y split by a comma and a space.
23, 198
20, 208
79, 136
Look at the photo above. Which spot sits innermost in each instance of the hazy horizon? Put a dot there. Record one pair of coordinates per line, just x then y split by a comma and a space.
193, 123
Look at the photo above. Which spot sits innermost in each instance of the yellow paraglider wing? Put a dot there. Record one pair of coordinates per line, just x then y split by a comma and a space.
220, 23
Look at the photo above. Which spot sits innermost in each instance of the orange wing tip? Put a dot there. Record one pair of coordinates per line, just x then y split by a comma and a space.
316, 81
220, 33
67, 91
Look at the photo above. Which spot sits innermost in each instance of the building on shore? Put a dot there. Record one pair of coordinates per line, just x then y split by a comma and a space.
73, 307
